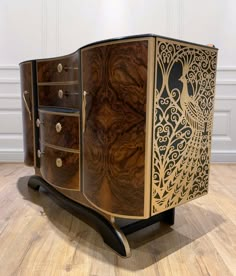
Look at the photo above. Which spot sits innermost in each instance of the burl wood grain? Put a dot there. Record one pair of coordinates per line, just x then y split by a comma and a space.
47, 69
115, 78
68, 137
67, 176
48, 95
27, 85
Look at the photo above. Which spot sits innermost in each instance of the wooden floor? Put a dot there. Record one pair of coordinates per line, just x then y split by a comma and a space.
39, 238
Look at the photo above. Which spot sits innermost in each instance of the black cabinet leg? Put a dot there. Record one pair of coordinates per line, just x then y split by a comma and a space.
109, 231
113, 235
169, 216
33, 185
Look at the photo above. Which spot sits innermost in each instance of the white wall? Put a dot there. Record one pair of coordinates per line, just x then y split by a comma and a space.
32, 29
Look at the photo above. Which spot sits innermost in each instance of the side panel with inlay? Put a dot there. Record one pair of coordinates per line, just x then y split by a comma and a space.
182, 118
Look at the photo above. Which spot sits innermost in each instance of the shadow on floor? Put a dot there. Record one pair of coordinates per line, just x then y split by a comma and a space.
148, 245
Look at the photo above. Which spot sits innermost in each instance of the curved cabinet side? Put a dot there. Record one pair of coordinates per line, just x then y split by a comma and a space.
26, 76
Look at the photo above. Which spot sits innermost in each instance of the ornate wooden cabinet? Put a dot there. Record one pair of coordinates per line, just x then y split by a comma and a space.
121, 128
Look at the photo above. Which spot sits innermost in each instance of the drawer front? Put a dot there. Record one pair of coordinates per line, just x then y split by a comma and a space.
60, 129
58, 69
59, 95
60, 168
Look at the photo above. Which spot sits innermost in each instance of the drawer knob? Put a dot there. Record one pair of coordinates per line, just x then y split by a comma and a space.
60, 93
58, 127
59, 68
58, 162
38, 123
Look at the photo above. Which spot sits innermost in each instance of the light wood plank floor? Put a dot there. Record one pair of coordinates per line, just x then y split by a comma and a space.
39, 238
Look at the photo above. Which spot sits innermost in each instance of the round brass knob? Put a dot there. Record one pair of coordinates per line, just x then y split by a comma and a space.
38, 122
58, 127
58, 162
60, 93
59, 68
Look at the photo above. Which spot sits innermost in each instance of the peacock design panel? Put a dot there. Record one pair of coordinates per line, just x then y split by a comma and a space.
182, 118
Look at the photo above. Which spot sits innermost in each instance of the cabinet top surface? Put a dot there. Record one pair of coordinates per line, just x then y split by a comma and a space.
117, 39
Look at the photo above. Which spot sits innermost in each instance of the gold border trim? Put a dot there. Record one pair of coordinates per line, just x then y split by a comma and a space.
149, 124
123, 239
210, 139
112, 214
71, 109
58, 57
115, 42
189, 45
71, 114
58, 147
59, 187
52, 83
153, 138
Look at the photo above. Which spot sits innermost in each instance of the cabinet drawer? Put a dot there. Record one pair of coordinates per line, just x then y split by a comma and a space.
60, 168
59, 95
60, 129
58, 69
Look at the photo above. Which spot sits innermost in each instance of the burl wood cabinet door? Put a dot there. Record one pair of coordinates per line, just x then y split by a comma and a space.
114, 77
27, 111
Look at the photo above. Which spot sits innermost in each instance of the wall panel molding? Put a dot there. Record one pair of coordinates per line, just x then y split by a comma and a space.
58, 27
52, 29
44, 27
223, 156
9, 81
180, 21
226, 68
11, 155
11, 140
9, 67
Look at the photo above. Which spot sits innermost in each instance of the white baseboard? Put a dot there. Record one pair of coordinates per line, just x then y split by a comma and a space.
223, 156
11, 156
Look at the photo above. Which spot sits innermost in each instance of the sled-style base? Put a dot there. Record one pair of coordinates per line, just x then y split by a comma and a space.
112, 235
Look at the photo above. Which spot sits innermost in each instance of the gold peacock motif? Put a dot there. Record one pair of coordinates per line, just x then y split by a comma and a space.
192, 111
183, 113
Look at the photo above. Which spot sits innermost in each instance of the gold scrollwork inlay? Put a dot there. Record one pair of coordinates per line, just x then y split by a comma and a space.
183, 116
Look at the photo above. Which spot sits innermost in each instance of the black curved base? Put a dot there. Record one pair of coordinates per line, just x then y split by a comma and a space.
112, 235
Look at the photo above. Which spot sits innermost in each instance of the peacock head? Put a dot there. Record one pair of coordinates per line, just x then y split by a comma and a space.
184, 73
182, 78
